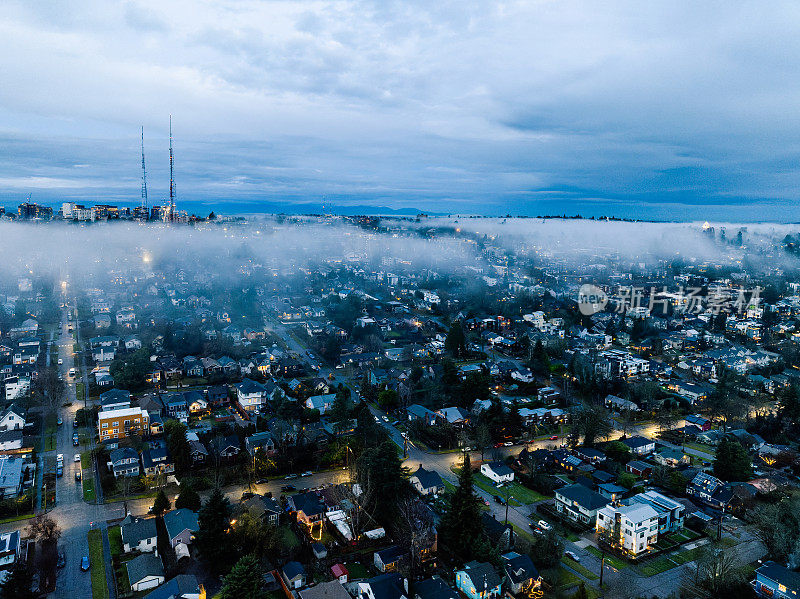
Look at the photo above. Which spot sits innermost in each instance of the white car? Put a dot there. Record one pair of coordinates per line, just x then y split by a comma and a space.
544, 525
60, 458
60, 361
572, 556
385, 418
508, 444
77, 458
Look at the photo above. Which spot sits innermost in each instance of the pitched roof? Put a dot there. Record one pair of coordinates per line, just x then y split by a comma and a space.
325, 590
427, 478
147, 564
434, 588
780, 574
179, 520
584, 496
138, 529
293, 570
387, 586
482, 575
519, 568
500, 469
182, 584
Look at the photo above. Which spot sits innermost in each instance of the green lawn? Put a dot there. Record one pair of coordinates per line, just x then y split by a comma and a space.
86, 460
98, 565
488, 486
79, 391
115, 540
656, 566
611, 560
566, 579
88, 488
579, 568
356, 571
684, 557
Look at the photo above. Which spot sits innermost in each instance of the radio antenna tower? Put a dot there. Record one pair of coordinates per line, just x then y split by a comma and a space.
144, 176
171, 178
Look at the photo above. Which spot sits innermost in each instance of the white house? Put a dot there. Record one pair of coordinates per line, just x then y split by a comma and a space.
251, 395
11, 419
497, 471
634, 527
139, 534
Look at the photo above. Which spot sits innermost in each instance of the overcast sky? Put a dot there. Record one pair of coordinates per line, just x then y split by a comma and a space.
472, 107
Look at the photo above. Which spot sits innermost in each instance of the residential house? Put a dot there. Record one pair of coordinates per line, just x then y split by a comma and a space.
340, 572
183, 586
139, 534
521, 575
709, 489
670, 512
198, 452
389, 559
226, 448
181, 525
427, 482
12, 418
611, 491
263, 507
671, 457
331, 589
123, 461
307, 506
9, 550
632, 528
115, 399
294, 574
251, 395
322, 403
157, 461
385, 586
579, 503
434, 588
639, 468
776, 581
260, 441
217, 395
497, 471
639, 445
479, 581
145, 572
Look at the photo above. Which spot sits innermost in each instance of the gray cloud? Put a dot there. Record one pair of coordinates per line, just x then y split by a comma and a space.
447, 106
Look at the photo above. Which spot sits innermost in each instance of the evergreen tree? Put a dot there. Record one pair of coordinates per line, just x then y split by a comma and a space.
18, 583
461, 527
211, 538
178, 444
382, 474
161, 504
245, 580
456, 342
188, 499
732, 462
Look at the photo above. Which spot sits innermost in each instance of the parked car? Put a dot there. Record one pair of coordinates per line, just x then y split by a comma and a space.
307, 473
74, 423
498, 499
508, 443
60, 361
247, 495
75, 441
77, 476
554, 437
286, 488
59, 421
62, 560
85, 563
290, 476
544, 525
573, 556
77, 458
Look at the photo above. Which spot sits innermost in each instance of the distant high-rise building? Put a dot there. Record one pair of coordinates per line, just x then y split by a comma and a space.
30, 210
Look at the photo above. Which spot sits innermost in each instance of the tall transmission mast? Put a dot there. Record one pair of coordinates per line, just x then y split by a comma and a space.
171, 177
144, 176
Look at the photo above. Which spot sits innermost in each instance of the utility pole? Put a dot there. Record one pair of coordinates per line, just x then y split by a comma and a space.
144, 176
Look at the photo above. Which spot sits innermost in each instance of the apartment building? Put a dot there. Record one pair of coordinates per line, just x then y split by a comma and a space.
633, 527
124, 422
